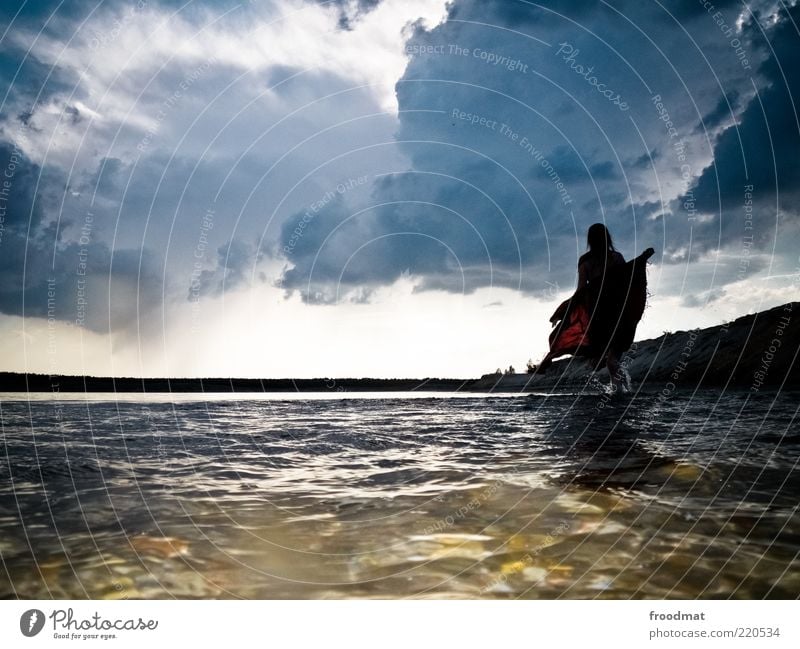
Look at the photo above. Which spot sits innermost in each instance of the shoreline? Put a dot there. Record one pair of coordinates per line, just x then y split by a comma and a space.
753, 351
19, 382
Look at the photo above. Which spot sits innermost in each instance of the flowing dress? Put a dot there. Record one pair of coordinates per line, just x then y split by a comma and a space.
602, 316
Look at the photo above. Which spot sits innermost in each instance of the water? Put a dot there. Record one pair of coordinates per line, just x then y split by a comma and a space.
308, 496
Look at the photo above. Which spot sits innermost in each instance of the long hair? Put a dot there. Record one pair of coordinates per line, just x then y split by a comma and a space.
599, 241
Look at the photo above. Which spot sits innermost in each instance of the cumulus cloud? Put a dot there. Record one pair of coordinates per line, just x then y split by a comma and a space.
755, 160
525, 124
55, 267
152, 117
359, 144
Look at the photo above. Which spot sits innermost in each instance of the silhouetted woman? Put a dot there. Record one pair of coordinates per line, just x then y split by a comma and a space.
600, 319
592, 269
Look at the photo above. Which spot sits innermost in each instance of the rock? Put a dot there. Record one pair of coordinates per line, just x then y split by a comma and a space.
743, 353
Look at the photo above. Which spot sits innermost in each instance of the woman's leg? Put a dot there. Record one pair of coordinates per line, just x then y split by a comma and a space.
614, 370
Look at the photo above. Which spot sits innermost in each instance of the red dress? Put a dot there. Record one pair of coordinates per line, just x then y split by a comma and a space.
602, 315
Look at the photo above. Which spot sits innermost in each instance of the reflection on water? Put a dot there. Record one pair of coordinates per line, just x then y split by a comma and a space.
574, 496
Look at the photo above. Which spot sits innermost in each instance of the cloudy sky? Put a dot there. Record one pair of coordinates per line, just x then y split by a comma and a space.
381, 187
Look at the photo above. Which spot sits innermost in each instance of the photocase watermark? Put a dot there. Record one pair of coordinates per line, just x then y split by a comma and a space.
8, 174
544, 163
84, 240
729, 31
569, 53
679, 149
333, 386
689, 202
170, 102
486, 57
52, 351
484, 121
52, 347
100, 40
448, 521
678, 144
747, 243
5, 190
199, 254
760, 375
476, 119
31, 622
66, 626
650, 414
747, 239
552, 289
315, 207
681, 365
528, 559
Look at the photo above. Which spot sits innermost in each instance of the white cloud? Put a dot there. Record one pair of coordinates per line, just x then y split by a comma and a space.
119, 59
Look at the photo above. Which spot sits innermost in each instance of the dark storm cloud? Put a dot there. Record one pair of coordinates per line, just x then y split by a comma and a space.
723, 113
107, 180
25, 80
762, 150
645, 161
520, 12
524, 196
687, 9
693, 300
479, 206
38, 11
141, 162
234, 266
413, 229
57, 268
485, 207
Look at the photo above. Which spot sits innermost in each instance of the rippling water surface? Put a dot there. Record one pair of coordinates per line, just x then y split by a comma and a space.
537, 496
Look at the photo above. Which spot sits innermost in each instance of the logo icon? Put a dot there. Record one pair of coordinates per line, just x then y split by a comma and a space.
31, 622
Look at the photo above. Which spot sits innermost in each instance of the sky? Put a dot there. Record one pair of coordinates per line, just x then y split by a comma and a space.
386, 188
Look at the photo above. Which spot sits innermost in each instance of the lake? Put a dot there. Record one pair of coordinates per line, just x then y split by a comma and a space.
398, 495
